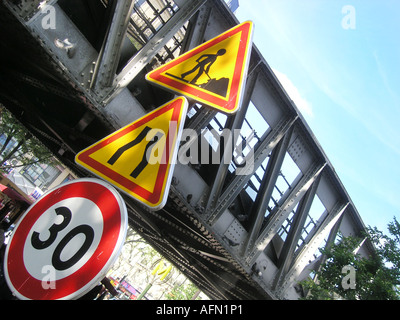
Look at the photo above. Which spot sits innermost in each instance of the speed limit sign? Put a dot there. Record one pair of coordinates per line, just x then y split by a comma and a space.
66, 242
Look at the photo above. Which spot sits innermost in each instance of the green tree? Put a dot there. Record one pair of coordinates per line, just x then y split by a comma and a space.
182, 292
28, 149
377, 277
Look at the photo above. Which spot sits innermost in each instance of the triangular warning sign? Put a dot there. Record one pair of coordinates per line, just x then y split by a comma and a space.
139, 158
213, 73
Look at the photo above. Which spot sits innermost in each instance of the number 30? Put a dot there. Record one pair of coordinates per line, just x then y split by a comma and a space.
58, 264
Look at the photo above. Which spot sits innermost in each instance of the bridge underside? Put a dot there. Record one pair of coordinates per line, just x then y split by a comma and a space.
235, 236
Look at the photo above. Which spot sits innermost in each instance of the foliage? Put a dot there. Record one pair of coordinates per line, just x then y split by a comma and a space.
183, 292
28, 149
377, 276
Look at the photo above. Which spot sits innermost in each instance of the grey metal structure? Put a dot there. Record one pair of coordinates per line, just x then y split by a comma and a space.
73, 71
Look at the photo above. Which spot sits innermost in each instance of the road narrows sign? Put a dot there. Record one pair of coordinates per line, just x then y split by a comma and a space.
213, 73
66, 242
139, 158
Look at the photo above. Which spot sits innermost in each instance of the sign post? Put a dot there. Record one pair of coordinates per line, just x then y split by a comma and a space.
160, 270
66, 242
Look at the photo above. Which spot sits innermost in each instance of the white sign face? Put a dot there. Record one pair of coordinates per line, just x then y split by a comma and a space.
66, 242
77, 241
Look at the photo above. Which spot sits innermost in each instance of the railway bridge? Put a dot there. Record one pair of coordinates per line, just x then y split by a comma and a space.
74, 71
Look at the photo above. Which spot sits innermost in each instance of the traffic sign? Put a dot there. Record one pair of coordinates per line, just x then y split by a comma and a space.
139, 158
162, 270
66, 242
213, 73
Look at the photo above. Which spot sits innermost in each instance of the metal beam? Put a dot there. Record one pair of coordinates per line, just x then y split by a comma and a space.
268, 142
26, 9
330, 241
201, 119
109, 55
286, 255
265, 191
197, 28
233, 123
150, 49
282, 211
303, 257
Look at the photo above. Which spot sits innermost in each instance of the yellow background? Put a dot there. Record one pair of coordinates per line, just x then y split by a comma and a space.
223, 67
129, 160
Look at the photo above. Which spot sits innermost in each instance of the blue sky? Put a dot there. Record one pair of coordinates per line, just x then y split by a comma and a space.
342, 69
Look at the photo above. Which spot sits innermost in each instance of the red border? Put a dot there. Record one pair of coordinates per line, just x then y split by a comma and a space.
151, 197
31, 287
227, 104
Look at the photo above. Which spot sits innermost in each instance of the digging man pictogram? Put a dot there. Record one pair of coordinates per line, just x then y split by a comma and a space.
204, 64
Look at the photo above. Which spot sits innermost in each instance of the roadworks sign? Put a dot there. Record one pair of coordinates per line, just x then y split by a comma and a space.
213, 73
139, 158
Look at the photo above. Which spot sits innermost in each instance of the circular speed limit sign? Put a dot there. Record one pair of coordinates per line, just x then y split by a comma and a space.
66, 242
